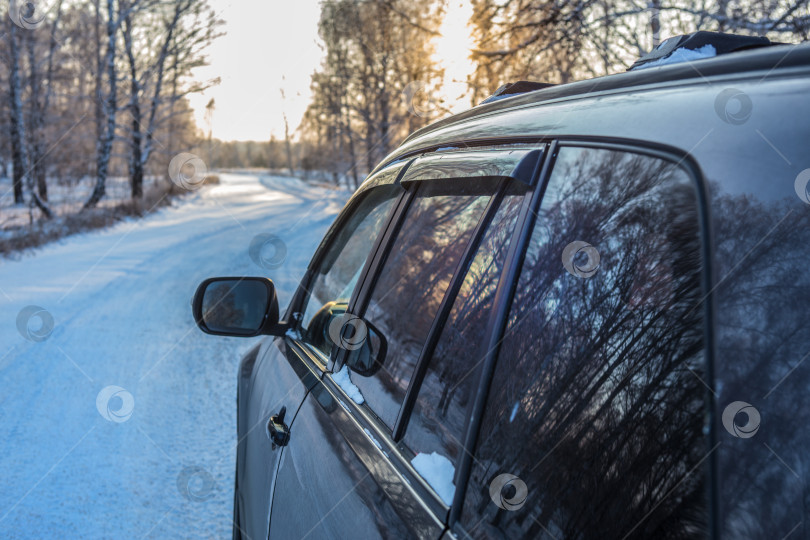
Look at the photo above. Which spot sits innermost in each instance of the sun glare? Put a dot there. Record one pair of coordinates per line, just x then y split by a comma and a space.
453, 54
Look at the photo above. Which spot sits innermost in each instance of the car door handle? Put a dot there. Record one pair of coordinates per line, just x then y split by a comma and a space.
277, 430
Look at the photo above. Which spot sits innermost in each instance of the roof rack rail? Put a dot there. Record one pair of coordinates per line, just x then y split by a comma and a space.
511, 89
696, 46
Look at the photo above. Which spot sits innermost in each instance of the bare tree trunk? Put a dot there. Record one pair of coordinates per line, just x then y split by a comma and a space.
350, 139
18, 125
136, 157
353, 160
41, 104
17, 168
385, 121
370, 161
98, 103
288, 145
104, 145
337, 151
655, 22
17, 152
37, 169
175, 83
136, 167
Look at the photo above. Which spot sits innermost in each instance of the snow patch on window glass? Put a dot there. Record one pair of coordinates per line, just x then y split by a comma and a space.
682, 55
345, 382
438, 472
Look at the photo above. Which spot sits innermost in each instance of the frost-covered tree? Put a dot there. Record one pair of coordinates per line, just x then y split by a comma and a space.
20, 158
160, 43
374, 85
561, 41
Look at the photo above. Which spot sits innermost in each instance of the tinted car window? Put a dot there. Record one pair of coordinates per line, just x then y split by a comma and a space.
440, 410
594, 424
335, 279
413, 280
762, 292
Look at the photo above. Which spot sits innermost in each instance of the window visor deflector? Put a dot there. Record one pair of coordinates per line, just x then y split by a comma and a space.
520, 164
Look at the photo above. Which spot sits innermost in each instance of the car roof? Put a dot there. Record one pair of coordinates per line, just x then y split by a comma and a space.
677, 107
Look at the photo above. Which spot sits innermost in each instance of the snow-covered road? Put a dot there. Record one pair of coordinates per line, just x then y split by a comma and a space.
160, 465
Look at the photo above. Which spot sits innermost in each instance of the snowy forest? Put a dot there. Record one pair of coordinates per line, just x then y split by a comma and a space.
377, 85
96, 91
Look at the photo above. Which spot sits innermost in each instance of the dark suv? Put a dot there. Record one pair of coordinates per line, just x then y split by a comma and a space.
577, 312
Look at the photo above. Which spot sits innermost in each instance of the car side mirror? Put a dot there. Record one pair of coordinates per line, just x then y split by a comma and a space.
237, 306
366, 347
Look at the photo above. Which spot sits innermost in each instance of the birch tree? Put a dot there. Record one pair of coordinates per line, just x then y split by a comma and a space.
22, 173
108, 103
41, 86
179, 31
141, 143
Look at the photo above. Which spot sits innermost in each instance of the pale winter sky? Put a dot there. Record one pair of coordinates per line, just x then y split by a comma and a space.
273, 44
268, 45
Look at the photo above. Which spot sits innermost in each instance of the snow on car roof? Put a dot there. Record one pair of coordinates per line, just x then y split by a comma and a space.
682, 55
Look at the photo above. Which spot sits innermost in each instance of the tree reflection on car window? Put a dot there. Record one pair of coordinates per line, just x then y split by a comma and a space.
762, 240
438, 418
343, 262
413, 281
594, 425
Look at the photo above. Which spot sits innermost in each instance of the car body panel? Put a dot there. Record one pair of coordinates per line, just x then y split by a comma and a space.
269, 382
340, 481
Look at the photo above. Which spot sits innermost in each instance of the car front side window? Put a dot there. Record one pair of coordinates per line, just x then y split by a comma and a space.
336, 276
412, 282
437, 420
435, 426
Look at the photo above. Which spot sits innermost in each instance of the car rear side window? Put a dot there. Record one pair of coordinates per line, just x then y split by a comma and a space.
595, 418
336, 277
412, 282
